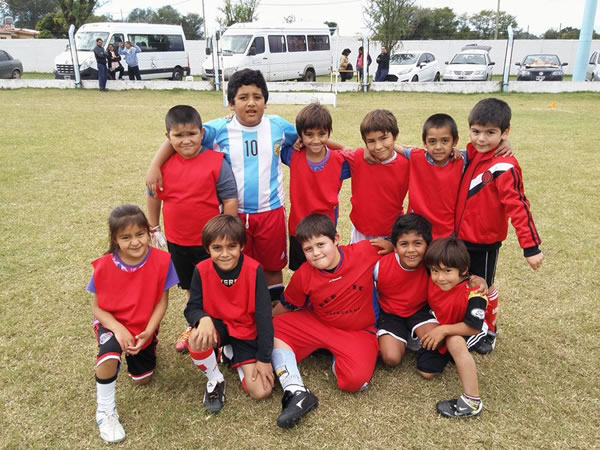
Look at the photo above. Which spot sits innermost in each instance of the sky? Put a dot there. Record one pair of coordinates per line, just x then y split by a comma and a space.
537, 16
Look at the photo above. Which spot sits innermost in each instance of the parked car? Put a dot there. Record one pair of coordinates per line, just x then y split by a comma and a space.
10, 67
592, 72
413, 66
472, 63
540, 67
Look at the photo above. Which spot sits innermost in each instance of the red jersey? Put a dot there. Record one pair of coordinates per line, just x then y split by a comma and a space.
401, 291
344, 298
378, 192
131, 296
314, 191
234, 305
433, 190
490, 193
190, 195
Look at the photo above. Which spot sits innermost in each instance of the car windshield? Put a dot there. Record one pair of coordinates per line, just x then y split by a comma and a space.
541, 61
465, 58
86, 40
403, 59
235, 44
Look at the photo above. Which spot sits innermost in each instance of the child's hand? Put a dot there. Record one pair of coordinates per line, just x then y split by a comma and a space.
370, 158
298, 145
385, 245
142, 338
205, 336
154, 180
535, 261
479, 283
124, 338
504, 148
265, 372
157, 237
433, 339
456, 154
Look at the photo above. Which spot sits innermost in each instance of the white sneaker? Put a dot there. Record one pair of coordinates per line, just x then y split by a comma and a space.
110, 428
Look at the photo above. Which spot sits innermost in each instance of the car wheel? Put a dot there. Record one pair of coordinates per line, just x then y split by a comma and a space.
309, 75
415, 78
177, 75
437, 77
16, 74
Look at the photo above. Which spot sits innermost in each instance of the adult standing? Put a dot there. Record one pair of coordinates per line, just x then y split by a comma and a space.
383, 65
130, 52
345, 68
101, 59
114, 63
360, 63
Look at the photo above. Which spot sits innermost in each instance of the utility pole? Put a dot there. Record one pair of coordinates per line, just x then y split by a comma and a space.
204, 21
497, 19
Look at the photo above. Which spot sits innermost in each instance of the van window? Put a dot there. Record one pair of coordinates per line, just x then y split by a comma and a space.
115, 39
318, 42
235, 43
158, 42
86, 40
296, 43
276, 43
258, 45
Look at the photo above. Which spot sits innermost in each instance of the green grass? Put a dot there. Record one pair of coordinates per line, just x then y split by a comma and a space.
68, 157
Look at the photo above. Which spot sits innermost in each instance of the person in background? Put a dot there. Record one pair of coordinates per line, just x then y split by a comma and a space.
101, 57
114, 63
383, 65
130, 52
345, 68
360, 63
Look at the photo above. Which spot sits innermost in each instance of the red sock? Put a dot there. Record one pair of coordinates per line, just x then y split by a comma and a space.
492, 309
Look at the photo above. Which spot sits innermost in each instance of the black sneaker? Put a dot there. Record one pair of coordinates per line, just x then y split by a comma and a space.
214, 396
487, 344
295, 406
457, 407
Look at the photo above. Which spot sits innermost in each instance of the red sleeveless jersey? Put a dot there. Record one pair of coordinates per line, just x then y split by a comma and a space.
234, 305
401, 291
433, 190
190, 195
131, 296
378, 192
313, 191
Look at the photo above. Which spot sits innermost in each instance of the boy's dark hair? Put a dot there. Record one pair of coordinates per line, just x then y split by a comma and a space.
314, 115
315, 225
491, 111
181, 115
451, 252
440, 121
379, 120
346, 51
121, 217
223, 226
411, 222
246, 77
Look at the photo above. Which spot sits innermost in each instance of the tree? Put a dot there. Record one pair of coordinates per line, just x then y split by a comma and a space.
388, 20
140, 15
484, 23
242, 11
27, 13
52, 26
192, 26
167, 15
76, 12
332, 27
438, 23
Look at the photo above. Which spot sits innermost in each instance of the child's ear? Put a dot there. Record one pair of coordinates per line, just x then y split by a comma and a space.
202, 131
455, 143
168, 136
506, 133
336, 239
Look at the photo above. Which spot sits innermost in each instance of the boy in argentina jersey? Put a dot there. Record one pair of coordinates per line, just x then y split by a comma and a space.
252, 143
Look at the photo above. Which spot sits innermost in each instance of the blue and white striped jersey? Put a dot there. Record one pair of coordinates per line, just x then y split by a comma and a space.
254, 156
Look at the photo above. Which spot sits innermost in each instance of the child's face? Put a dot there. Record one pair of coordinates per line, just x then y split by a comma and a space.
321, 252
186, 139
225, 253
446, 277
315, 140
249, 105
411, 248
439, 143
486, 138
380, 144
133, 242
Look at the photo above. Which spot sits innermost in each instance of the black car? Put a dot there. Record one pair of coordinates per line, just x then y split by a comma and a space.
9, 67
542, 67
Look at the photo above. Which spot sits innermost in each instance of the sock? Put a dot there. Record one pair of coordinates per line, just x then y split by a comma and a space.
206, 361
240, 372
105, 394
276, 290
472, 401
286, 369
492, 309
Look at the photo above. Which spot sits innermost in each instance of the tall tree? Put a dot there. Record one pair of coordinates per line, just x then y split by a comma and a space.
27, 13
166, 14
388, 20
52, 26
240, 11
140, 15
332, 26
484, 23
76, 12
192, 26
437, 23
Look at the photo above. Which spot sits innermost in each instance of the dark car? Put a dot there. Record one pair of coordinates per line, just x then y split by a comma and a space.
541, 67
10, 67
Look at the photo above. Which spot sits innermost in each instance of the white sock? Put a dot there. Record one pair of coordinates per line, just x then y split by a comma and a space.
105, 396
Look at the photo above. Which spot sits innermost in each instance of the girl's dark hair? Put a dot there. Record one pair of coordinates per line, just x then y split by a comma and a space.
315, 225
411, 222
246, 77
223, 226
451, 252
346, 51
314, 115
124, 216
440, 121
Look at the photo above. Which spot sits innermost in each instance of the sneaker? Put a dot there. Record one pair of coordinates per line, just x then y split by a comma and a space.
110, 428
214, 396
295, 406
458, 407
487, 344
182, 341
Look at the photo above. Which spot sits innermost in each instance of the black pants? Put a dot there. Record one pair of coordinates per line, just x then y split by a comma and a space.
112, 74
134, 72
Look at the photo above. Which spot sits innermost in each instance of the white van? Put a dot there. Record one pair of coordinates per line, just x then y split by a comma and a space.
282, 52
163, 50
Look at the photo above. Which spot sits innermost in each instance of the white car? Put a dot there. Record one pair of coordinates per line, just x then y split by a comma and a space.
473, 63
592, 72
413, 66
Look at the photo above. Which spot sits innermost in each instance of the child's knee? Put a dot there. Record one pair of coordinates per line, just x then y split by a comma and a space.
107, 369
353, 383
142, 381
426, 375
258, 392
392, 357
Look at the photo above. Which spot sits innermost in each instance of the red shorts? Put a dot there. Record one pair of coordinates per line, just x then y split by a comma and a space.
354, 351
266, 238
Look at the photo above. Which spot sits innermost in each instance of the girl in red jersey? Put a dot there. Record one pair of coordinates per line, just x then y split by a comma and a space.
131, 285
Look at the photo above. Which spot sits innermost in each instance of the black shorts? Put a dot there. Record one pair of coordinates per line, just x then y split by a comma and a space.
185, 259
138, 366
244, 351
402, 328
484, 259
296, 254
432, 361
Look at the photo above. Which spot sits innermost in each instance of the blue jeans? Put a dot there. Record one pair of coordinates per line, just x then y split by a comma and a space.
102, 76
381, 74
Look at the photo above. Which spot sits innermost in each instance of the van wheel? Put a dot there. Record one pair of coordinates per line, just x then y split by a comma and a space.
16, 74
177, 75
415, 78
437, 77
309, 75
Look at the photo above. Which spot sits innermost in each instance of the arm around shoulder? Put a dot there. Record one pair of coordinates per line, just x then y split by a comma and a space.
154, 176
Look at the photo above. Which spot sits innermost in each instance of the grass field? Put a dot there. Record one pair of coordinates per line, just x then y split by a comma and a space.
68, 157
